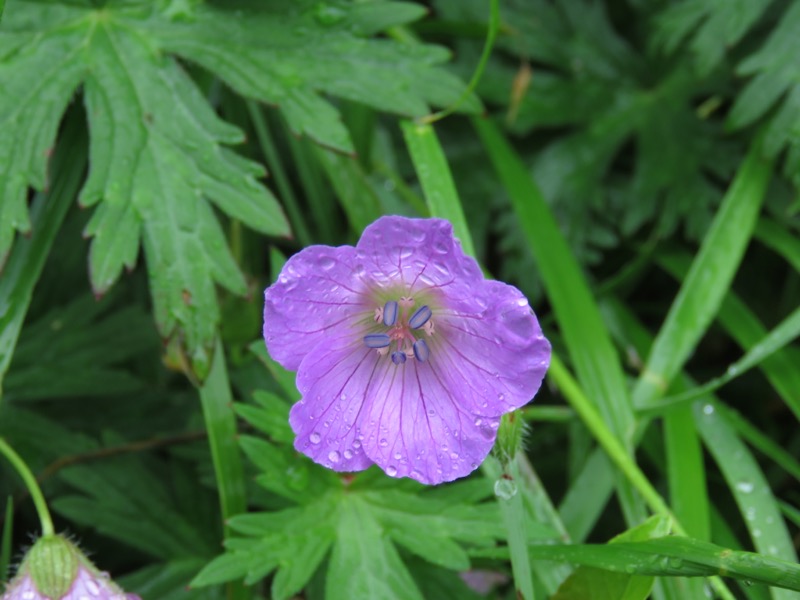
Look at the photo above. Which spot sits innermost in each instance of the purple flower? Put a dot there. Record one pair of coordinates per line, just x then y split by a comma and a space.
54, 569
406, 356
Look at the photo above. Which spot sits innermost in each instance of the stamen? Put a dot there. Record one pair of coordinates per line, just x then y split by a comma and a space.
420, 317
421, 350
377, 340
398, 358
390, 313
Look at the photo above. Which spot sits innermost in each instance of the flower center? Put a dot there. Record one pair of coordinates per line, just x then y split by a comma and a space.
403, 324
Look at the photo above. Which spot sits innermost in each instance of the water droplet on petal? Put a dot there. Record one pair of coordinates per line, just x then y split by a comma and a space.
397, 456
356, 444
383, 443
348, 454
314, 438
454, 455
326, 263
478, 422
333, 456
391, 471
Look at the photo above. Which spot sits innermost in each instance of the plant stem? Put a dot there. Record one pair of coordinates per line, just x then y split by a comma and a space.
33, 488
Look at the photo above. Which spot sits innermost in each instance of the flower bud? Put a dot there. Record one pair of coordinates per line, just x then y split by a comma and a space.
54, 569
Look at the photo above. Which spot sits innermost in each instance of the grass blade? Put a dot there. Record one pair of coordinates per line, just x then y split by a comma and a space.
595, 359
27, 260
708, 279
436, 180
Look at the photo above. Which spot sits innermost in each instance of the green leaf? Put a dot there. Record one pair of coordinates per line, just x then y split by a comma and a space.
168, 581
364, 564
271, 416
5, 542
747, 483
592, 583
286, 58
78, 350
220, 421
713, 26
709, 277
437, 182
27, 261
122, 499
671, 556
774, 70
156, 158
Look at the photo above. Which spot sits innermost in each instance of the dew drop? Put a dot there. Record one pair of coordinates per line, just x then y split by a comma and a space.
348, 454
326, 263
397, 456
454, 455
478, 422
356, 444
93, 588
708, 409
505, 489
391, 471
333, 456
501, 397
314, 438
383, 443
745, 487
431, 412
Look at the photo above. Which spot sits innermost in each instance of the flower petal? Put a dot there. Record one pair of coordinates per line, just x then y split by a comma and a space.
315, 295
416, 427
494, 356
328, 420
417, 254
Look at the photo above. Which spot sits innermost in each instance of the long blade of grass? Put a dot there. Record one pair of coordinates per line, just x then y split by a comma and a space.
708, 279
220, 420
740, 322
596, 361
437, 182
783, 334
27, 260
747, 483
672, 556
357, 198
5, 544
780, 239
443, 201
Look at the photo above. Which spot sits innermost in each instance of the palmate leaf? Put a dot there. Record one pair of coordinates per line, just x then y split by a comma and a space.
360, 529
158, 155
712, 26
775, 70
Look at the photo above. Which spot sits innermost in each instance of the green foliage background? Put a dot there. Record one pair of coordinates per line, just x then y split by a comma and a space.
631, 165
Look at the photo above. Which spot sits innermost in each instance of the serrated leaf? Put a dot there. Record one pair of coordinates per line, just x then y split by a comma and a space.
156, 157
362, 527
286, 57
123, 499
775, 72
713, 26
364, 564
271, 416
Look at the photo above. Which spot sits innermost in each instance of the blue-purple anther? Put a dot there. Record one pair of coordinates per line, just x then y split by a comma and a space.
421, 351
420, 317
398, 357
390, 313
377, 340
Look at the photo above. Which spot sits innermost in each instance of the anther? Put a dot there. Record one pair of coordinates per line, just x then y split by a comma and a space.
398, 358
421, 351
377, 340
420, 317
390, 313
